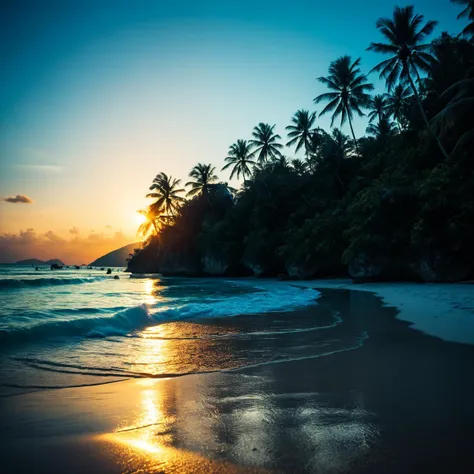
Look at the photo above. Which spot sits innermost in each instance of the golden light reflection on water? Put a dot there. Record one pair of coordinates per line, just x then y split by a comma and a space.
146, 444
155, 355
152, 296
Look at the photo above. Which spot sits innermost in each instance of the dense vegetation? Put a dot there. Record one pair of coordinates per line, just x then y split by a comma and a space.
395, 204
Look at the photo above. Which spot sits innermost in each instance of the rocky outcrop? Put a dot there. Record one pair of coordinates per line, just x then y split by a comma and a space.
144, 261
361, 268
439, 267
214, 266
364, 268
257, 269
179, 264
303, 271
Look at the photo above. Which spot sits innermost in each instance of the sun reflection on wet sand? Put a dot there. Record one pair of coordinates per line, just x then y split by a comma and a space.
146, 444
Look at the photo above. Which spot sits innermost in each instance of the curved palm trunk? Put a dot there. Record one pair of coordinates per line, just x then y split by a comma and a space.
155, 226
353, 136
423, 114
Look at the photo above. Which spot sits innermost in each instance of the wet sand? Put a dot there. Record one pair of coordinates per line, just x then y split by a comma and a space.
400, 403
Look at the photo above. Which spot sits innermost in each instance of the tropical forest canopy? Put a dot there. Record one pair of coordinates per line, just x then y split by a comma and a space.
397, 203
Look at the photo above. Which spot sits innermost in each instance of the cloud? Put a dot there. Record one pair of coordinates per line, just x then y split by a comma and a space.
53, 237
19, 198
74, 230
74, 250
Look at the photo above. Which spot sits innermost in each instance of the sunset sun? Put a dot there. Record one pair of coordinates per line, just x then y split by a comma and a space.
139, 218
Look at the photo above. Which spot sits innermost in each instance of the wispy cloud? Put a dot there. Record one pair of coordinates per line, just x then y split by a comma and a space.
19, 198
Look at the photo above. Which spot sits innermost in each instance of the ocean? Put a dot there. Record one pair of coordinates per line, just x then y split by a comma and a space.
152, 374
71, 327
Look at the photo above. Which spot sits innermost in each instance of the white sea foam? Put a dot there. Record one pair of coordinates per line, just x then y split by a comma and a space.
138, 317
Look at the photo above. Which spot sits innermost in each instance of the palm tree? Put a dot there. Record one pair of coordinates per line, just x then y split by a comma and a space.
405, 34
334, 150
350, 91
166, 194
265, 142
150, 222
203, 177
397, 103
342, 142
301, 130
453, 121
378, 107
384, 128
469, 13
299, 166
240, 158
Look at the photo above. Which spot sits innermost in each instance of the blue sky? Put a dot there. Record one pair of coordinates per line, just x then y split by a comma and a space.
96, 97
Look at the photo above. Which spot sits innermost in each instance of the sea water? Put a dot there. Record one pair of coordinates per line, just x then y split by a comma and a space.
71, 327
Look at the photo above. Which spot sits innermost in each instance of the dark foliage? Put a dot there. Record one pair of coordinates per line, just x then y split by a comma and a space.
401, 207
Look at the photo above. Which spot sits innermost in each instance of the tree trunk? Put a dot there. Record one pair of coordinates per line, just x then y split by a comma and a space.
155, 226
423, 114
354, 137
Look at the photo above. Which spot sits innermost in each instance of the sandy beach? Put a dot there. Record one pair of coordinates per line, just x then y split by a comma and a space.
393, 400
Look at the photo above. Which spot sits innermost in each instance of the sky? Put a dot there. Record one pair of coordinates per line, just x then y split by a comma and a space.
98, 96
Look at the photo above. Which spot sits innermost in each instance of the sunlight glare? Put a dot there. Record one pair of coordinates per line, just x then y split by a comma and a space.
139, 218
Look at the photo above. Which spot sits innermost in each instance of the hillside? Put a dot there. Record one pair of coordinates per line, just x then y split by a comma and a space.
35, 261
116, 258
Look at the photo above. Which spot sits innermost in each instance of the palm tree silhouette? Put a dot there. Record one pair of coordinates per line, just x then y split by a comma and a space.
203, 177
469, 13
240, 158
166, 195
301, 129
397, 103
150, 222
350, 91
342, 142
383, 128
378, 107
265, 143
405, 33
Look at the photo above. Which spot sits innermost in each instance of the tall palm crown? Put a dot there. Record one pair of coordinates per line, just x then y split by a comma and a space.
468, 12
350, 91
265, 142
378, 107
342, 143
397, 103
203, 177
301, 129
383, 128
405, 34
240, 158
166, 193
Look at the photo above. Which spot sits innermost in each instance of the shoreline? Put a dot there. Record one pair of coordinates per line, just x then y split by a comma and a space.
400, 402
443, 310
